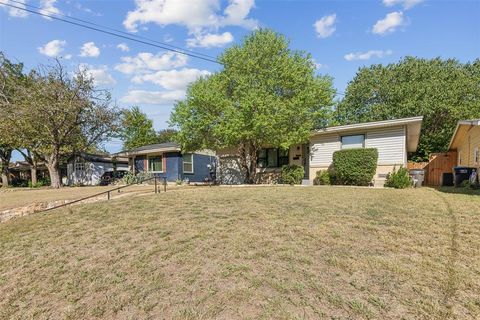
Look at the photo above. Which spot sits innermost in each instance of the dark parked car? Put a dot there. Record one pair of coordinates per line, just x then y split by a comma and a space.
111, 176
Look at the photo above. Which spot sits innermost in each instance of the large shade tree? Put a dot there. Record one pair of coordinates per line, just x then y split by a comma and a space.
266, 94
443, 91
11, 77
137, 129
59, 113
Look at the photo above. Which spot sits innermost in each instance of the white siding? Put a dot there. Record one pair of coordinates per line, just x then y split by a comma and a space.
390, 143
322, 148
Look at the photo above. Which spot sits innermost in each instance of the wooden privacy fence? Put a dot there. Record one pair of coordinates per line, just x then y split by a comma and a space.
438, 164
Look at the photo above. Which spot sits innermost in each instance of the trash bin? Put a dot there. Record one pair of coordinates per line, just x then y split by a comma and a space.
418, 176
447, 179
461, 174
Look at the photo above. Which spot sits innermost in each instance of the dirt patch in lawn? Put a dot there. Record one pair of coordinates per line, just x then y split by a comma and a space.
243, 253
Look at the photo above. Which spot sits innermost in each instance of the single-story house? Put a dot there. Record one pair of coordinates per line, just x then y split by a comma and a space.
392, 138
166, 160
87, 169
466, 142
20, 171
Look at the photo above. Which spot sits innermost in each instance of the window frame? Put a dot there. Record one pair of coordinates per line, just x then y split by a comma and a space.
476, 156
280, 159
148, 163
79, 166
191, 162
352, 135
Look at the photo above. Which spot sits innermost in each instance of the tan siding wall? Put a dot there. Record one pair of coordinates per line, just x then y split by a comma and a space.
467, 147
390, 143
322, 148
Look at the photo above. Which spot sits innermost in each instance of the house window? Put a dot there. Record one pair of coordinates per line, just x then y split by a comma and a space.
356, 141
459, 157
476, 156
155, 164
188, 163
272, 158
79, 166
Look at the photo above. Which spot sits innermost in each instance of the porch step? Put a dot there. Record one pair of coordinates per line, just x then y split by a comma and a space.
379, 182
306, 182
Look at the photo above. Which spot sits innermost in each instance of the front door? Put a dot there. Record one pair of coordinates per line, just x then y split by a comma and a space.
306, 160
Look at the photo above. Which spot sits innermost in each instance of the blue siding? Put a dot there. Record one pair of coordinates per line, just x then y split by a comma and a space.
200, 170
174, 167
139, 164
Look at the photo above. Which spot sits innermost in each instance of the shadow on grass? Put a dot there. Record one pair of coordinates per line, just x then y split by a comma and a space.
460, 190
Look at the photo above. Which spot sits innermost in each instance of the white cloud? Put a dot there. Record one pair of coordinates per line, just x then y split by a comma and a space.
367, 55
14, 12
325, 27
48, 7
145, 62
196, 15
153, 97
53, 48
123, 46
210, 40
319, 65
89, 49
172, 79
80, 7
407, 4
389, 24
100, 74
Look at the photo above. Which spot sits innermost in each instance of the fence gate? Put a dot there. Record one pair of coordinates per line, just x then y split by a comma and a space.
438, 164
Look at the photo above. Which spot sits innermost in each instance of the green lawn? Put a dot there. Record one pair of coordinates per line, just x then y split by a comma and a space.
248, 253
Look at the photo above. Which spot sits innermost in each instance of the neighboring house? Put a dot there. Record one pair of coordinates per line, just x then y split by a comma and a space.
466, 142
165, 160
392, 138
20, 171
87, 169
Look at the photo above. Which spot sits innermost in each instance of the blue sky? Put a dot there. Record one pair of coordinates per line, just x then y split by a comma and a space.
341, 36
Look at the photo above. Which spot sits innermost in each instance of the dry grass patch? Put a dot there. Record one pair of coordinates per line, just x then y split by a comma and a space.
20, 197
248, 253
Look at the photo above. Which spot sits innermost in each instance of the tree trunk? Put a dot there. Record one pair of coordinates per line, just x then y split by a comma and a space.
33, 174
55, 180
248, 161
5, 178
53, 166
5, 162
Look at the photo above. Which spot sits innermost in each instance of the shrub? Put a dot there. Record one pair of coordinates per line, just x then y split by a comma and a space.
355, 166
130, 178
292, 174
322, 177
398, 179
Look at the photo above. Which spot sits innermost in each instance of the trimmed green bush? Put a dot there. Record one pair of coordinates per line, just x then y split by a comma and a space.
398, 179
322, 177
292, 174
355, 166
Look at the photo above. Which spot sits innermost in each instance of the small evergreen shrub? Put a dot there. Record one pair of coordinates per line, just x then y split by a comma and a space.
292, 174
322, 177
398, 179
355, 166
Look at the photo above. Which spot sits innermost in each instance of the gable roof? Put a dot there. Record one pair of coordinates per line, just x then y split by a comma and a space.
460, 130
412, 124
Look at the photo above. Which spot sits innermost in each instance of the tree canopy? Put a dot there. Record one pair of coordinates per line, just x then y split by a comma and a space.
55, 113
11, 77
266, 94
137, 129
443, 91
